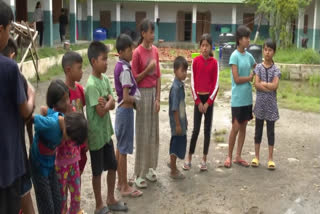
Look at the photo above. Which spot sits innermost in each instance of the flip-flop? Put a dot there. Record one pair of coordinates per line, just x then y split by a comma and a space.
227, 163
203, 166
255, 162
104, 210
81, 212
186, 166
141, 183
119, 206
178, 176
271, 165
241, 163
133, 194
151, 175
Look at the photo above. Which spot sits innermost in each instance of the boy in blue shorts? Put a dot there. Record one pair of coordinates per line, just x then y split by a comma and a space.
178, 117
128, 93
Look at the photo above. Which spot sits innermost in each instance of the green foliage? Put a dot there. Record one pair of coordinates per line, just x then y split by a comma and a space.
297, 56
281, 13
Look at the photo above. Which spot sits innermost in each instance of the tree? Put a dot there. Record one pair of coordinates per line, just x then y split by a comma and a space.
280, 13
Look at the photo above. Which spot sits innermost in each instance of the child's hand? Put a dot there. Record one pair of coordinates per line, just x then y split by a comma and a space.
152, 65
178, 129
251, 76
102, 101
157, 106
205, 107
200, 107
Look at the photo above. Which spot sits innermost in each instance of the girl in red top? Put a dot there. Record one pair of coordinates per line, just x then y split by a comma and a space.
146, 71
204, 84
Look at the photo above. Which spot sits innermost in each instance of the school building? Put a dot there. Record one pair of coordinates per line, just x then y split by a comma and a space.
175, 20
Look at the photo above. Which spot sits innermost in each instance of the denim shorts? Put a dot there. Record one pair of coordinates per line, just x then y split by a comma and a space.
124, 129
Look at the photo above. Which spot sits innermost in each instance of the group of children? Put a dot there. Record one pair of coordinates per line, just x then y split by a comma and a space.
63, 136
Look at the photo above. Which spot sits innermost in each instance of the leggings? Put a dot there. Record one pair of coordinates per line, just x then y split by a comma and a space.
197, 116
47, 193
259, 130
69, 178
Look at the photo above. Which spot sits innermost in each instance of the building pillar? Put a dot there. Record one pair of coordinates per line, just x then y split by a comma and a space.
11, 3
156, 28
47, 22
118, 18
194, 23
300, 27
90, 20
79, 21
234, 19
73, 21
316, 25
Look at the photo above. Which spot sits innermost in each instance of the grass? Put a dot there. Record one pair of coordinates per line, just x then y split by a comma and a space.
297, 56
296, 95
55, 51
56, 70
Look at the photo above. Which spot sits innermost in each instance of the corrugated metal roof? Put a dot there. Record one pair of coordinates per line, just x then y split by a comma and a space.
183, 1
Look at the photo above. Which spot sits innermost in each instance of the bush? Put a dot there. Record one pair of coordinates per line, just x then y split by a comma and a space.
297, 56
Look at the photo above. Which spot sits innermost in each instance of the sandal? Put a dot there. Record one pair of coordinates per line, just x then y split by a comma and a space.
81, 212
133, 194
141, 183
186, 166
203, 166
228, 163
104, 210
255, 162
151, 175
271, 165
241, 162
119, 206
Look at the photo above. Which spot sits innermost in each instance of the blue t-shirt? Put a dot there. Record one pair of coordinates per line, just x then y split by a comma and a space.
241, 93
48, 133
177, 103
12, 94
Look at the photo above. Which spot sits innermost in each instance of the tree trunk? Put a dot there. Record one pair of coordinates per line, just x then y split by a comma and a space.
258, 28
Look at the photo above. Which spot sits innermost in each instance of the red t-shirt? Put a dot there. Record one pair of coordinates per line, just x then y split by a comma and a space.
69, 152
140, 60
205, 78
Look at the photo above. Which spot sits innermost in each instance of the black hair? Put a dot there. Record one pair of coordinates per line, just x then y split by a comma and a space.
95, 49
62, 10
11, 47
270, 44
179, 62
38, 4
76, 127
145, 25
70, 58
6, 14
123, 42
242, 31
55, 93
207, 37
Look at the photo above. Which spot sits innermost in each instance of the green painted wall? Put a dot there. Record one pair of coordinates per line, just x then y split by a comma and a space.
89, 31
194, 32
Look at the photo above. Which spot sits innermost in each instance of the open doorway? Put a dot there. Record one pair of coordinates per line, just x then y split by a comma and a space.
184, 26
21, 10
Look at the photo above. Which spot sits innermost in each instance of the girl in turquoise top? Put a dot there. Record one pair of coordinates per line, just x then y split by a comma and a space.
241, 63
50, 128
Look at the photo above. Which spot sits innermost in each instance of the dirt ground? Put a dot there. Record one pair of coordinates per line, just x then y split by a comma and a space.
293, 188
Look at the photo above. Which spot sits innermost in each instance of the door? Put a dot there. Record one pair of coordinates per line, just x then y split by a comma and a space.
139, 17
248, 20
105, 19
56, 10
187, 26
203, 24
180, 26
21, 10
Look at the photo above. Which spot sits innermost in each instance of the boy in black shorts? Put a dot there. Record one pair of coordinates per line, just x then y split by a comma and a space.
99, 101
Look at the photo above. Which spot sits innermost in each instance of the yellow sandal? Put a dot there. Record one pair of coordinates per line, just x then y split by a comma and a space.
271, 165
255, 162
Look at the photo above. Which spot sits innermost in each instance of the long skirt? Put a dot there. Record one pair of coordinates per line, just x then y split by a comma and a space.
147, 133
